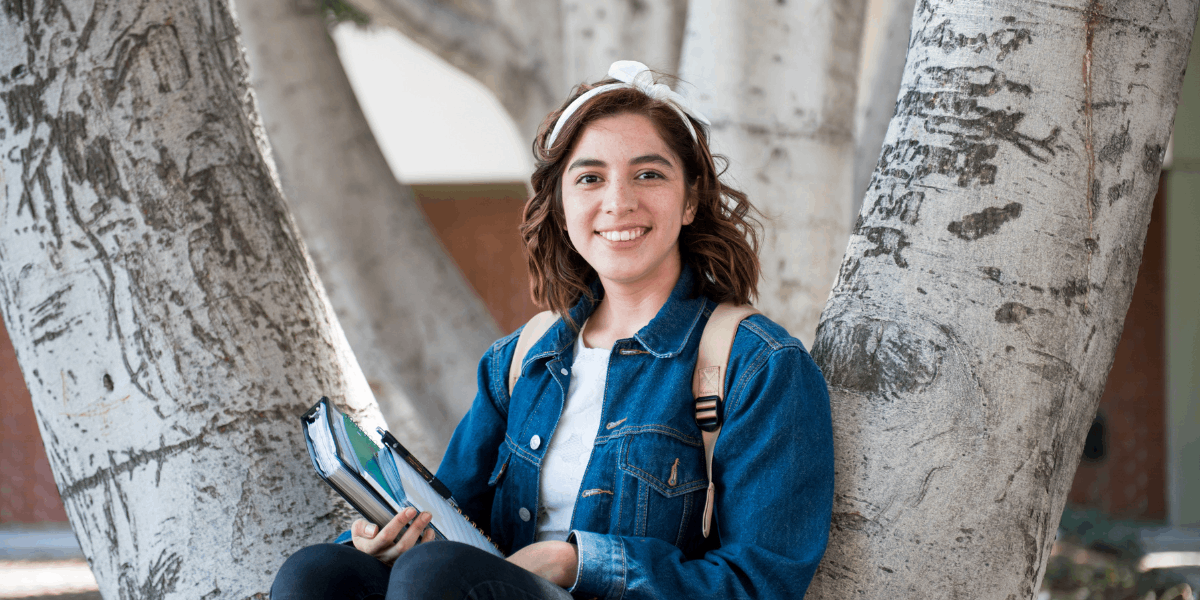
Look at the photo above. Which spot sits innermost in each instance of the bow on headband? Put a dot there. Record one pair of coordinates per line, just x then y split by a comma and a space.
633, 74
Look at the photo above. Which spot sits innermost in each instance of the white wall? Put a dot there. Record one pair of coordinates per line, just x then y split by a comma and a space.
1183, 306
434, 123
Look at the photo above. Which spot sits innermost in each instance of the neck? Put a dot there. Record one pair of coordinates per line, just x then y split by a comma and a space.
626, 308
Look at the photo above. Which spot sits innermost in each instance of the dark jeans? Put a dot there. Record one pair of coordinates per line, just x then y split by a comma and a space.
430, 571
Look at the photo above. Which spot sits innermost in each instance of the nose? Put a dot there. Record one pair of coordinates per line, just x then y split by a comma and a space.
620, 198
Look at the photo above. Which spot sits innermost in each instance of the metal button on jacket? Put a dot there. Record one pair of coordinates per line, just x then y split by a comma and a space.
535, 442
524, 514
563, 370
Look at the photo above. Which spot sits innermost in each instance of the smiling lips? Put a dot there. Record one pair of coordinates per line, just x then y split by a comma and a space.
624, 235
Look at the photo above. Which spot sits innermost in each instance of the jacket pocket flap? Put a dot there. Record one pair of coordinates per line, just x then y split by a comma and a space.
670, 465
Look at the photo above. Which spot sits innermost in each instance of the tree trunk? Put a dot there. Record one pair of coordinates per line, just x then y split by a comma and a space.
418, 343
881, 67
167, 320
595, 34
778, 83
977, 312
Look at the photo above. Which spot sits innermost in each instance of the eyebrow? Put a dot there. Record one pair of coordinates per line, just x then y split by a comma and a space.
645, 158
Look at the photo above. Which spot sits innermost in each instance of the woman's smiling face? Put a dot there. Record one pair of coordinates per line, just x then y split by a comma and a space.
625, 201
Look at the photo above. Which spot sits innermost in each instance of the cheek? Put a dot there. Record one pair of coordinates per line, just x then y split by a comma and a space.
578, 228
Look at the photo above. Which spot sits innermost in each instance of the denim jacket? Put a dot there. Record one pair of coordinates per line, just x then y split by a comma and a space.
638, 514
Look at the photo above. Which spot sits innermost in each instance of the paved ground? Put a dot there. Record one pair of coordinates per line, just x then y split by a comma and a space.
43, 563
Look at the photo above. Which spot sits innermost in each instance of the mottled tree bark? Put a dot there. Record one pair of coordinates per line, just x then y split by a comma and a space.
167, 320
881, 67
417, 327
595, 34
977, 311
778, 82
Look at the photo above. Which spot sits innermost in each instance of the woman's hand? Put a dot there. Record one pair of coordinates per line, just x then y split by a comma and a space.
383, 544
553, 560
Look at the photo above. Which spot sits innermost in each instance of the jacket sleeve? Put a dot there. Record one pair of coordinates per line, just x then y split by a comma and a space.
773, 467
467, 465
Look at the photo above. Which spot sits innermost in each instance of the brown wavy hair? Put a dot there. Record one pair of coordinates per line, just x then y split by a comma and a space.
721, 243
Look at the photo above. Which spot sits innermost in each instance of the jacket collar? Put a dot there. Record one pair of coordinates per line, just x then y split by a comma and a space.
665, 336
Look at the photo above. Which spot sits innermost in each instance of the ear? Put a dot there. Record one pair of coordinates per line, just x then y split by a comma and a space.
689, 208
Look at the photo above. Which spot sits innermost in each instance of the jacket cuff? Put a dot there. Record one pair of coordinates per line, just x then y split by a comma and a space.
601, 569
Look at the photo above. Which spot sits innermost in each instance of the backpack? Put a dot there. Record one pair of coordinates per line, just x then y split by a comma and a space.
708, 379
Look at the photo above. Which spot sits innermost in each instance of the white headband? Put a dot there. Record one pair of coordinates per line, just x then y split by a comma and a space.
634, 75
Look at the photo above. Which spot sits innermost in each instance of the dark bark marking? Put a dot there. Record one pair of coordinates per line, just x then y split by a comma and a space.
159, 581
1011, 476
852, 521
925, 485
906, 208
167, 59
988, 222
1091, 20
1118, 145
54, 7
47, 312
1119, 191
102, 172
963, 160
1015, 312
992, 273
977, 82
24, 102
52, 335
847, 272
136, 459
1152, 156
873, 356
18, 10
975, 131
1055, 370
1073, 289
887, 241
1004, 41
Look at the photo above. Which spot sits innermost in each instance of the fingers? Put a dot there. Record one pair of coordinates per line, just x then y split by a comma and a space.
416, 531
368, 538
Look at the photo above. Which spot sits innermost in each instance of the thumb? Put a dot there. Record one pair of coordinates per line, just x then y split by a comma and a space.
363, 529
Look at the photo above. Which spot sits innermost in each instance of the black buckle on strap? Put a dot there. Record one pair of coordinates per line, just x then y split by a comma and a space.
708, 413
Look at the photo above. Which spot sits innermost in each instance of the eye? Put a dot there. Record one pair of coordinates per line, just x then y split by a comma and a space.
587, 179
650, 175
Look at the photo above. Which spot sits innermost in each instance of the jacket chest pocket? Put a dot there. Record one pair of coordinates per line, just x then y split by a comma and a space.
662, 487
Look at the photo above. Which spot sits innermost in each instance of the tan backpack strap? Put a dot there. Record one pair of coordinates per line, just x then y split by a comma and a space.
534, 330
708, 385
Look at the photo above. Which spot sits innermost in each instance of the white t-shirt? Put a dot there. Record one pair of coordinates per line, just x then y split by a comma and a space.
571, 446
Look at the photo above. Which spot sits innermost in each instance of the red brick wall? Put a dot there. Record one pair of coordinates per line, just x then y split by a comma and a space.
477, 224
27, 490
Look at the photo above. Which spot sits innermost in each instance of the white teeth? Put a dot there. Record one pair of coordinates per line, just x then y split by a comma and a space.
623, 236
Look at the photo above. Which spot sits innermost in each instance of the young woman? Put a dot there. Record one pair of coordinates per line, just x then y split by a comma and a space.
591, 476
